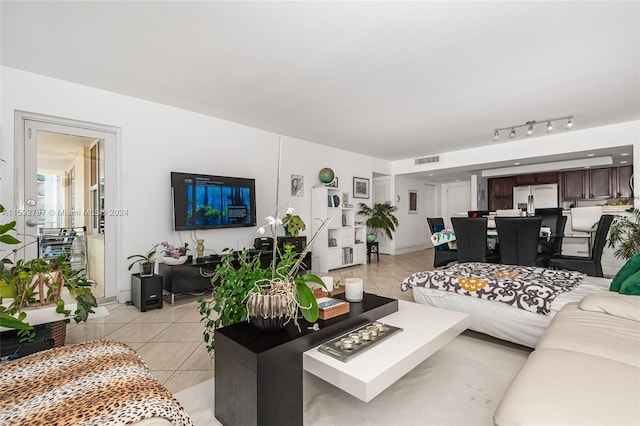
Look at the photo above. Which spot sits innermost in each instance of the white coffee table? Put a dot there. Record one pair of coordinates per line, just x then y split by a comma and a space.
425, 330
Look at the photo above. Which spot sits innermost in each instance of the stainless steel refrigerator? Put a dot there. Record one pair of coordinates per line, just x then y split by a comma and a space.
544, 196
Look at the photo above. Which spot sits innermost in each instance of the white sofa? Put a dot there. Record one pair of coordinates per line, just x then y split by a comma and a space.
585, 369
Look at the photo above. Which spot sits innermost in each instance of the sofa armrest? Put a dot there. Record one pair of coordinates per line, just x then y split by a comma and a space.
619, 305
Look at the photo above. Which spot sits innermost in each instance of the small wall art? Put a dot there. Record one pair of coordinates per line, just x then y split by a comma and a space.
413, 202
360, 187
297, 186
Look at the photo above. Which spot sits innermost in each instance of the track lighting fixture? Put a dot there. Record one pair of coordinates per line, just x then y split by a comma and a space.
530, 125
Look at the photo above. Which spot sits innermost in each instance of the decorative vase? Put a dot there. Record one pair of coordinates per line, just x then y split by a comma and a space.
268, 312
371, 238
7, 290
168, 260
146, 269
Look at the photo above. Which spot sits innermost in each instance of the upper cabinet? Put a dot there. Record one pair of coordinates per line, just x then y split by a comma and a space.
597, 184
625, 173
537, 178
574, 185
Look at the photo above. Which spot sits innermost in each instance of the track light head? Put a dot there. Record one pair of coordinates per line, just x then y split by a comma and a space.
512, 133
569, 124
496, 135
530, 129
549, 126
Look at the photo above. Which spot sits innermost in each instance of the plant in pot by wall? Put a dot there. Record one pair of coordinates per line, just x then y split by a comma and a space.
380, 217
37, 282
293, 224
146, 261
624, 235
268, 296
173, 255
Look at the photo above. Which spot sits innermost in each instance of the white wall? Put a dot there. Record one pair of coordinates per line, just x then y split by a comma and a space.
157, 139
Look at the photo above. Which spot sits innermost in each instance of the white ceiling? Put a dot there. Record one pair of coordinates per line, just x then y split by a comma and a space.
389, 79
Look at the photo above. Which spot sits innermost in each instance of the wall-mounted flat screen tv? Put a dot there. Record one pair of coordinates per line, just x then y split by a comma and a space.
206, 202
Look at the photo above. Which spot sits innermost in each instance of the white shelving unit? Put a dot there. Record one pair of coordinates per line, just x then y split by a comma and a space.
342, 243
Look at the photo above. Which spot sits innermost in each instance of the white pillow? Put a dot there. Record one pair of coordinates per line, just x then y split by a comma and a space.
619, 305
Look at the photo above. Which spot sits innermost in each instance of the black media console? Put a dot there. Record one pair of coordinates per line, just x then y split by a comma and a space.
191, 277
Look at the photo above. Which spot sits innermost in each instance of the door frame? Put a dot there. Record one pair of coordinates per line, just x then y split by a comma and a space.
113, 200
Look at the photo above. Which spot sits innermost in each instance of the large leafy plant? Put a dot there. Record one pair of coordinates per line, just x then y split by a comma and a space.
380, 217
239, 274
624, 235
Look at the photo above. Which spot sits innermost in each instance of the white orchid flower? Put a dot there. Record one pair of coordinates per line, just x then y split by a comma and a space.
260, 230
278, 221
290, 210
270, 220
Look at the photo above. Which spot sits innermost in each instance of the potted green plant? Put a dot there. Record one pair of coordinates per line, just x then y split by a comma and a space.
146, 261
37, 282
293, 224
624, 235
380, 217
269, 296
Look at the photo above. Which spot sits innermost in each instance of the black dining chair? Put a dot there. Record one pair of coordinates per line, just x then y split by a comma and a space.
518, 238
471, 240
553, 245
443, 255
589, 265
477, 213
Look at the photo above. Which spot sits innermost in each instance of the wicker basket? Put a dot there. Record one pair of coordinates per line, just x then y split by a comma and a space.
59, 332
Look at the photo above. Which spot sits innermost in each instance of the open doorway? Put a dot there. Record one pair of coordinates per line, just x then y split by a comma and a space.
69, 181
70, 195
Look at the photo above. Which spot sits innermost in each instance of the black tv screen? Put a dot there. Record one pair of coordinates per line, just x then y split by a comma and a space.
205, 202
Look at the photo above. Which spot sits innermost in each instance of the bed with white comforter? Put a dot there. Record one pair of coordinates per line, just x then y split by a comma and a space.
510, 302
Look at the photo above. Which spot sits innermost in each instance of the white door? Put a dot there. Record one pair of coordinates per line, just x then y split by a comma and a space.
65, 186
456, 200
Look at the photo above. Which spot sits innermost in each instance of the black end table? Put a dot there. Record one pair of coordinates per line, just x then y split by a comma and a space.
372, 247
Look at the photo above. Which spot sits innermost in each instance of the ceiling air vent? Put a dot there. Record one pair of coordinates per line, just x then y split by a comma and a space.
427, 160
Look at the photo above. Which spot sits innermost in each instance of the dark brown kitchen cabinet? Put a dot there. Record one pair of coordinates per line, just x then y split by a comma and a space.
624, 182
574, 185
500, 193
597, 184
537, 178
600, 183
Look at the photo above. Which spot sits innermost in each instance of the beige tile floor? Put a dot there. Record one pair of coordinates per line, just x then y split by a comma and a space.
170, 339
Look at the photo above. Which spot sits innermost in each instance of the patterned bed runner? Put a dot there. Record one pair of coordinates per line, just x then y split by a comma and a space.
100, 382
526, 287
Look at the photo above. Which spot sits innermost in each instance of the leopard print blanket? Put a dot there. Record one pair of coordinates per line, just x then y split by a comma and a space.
101, 382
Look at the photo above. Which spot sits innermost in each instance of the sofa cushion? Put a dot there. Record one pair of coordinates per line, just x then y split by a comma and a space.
595, 333
615, 304
631, 267
560, 387
631, 285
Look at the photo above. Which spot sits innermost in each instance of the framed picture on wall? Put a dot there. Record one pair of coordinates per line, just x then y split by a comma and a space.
297, 186
413, 202
360, 187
